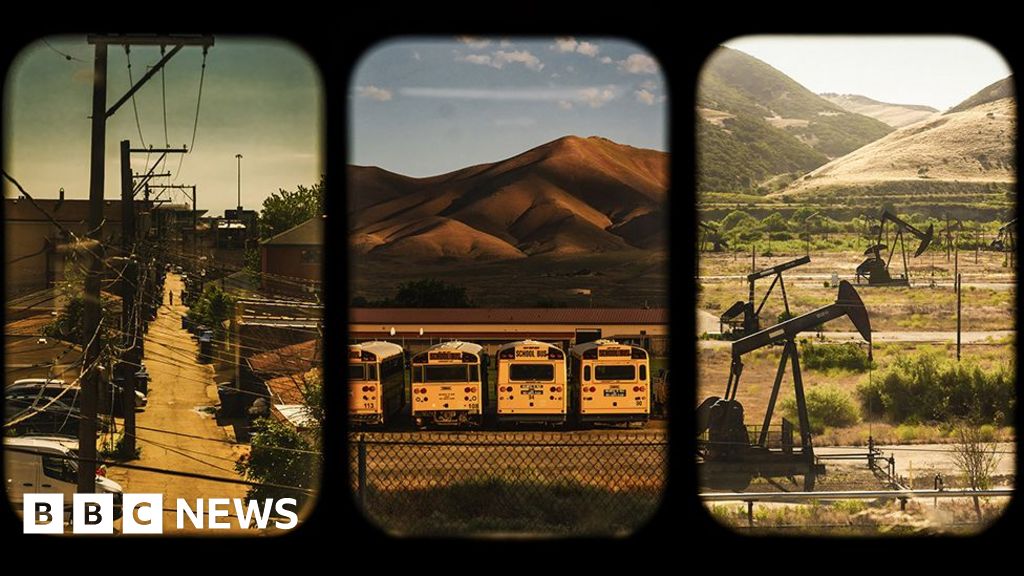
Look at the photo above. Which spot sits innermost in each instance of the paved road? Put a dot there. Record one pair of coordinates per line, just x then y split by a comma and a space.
928, 459
178, 388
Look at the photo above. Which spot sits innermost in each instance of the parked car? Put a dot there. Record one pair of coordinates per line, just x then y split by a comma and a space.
45, 388
53, 417
35, 465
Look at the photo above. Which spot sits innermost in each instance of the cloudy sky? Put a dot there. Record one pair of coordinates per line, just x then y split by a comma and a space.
936, 71
261, 99
422, 107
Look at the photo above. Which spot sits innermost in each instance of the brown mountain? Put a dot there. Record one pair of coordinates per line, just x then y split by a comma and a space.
572, 195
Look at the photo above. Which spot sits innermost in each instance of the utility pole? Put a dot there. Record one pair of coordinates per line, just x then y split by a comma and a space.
129, 319
91, 314
239, 156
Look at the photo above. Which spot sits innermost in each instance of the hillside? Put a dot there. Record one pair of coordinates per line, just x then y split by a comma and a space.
755, 123
971, 151
895, 115
570, 196
995, 91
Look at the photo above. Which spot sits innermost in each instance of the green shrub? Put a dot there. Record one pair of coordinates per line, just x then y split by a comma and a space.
827, 406
844, 356
931, 388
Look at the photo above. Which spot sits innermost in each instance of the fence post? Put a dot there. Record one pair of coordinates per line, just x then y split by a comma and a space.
750, 513
362, 472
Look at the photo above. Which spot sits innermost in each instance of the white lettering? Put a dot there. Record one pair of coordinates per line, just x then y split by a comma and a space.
218, 509
290, 514
253, 509
183, 509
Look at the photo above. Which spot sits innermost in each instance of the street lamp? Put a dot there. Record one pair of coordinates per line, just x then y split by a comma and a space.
239, 156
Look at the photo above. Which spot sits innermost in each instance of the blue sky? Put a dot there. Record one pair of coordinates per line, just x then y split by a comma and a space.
426, 106
936, 71
262, 98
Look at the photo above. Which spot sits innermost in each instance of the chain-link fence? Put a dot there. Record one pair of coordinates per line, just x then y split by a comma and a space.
572, 483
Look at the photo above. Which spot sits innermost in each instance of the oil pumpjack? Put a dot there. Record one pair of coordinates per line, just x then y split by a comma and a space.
876, 267
710, 234
729, 454
742, 316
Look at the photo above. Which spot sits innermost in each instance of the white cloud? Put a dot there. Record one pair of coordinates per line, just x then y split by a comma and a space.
565, 44
505, 43
644, 97
649, 85
482, 59
588, 49
596, 97
606, 60
570, 44
474, 42
500, 58
373, 93
639, 64
565, 98
416, 56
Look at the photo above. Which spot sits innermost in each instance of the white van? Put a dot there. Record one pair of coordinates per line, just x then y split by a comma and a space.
49, 468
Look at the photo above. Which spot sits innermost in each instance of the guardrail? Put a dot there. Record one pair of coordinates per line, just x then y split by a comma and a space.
901, 495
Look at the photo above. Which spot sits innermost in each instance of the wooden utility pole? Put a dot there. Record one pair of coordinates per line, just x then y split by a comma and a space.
91, 311
130, 332
91, 314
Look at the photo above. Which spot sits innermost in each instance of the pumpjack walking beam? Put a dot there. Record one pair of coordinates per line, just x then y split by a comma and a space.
876, 267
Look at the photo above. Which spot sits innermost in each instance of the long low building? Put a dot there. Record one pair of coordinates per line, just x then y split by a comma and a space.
417, 328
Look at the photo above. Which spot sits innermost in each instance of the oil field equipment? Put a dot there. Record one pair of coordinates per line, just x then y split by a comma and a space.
710, 234
1005, 241
876, 267
729, 453
742, 317
954, 225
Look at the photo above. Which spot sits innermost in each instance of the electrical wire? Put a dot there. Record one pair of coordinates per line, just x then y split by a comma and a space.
131, 83
66, 56
180, 473
195, 124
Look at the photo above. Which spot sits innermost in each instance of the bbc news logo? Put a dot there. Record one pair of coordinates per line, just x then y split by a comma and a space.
144, 513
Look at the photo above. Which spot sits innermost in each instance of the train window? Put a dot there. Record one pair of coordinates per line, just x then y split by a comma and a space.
455, 373
545, 372
371, 372
356, 372
643, 372
606, 372
586, 373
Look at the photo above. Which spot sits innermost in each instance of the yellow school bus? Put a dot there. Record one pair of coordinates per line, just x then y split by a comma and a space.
376, 382
610, 382
449, 385
531, 383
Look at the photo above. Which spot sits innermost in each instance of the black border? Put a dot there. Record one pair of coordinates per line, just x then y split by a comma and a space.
681, 532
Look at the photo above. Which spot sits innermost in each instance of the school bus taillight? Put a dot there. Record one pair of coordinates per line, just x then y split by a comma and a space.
555, 354
468, 389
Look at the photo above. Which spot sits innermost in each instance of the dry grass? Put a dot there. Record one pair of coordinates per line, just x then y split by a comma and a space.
759, 370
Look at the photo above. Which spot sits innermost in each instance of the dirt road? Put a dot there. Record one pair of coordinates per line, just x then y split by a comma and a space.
191, 440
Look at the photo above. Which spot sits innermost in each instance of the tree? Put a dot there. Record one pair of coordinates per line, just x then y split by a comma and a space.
774, 223
286, 209
431, 293
283, 455
975, 458
212, 308
70, 321
733, 219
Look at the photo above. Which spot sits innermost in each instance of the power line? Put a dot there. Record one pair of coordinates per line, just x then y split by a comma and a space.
195, 124
195, 475
66, 56
131, 82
